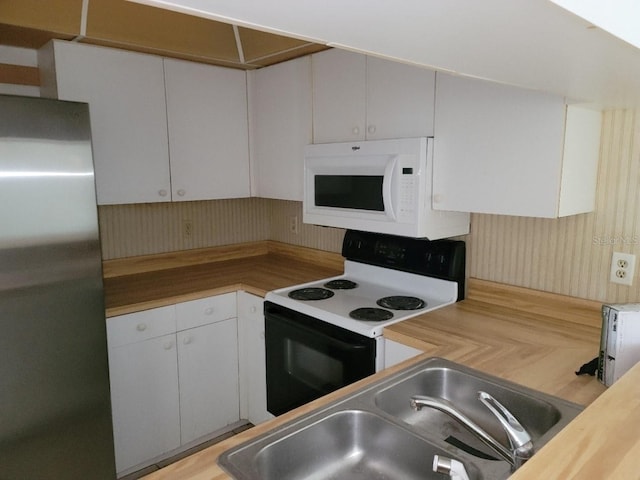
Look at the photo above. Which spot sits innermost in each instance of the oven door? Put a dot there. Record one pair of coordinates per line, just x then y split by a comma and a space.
307, 358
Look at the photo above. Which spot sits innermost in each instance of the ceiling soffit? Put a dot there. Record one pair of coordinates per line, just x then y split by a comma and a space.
132, 26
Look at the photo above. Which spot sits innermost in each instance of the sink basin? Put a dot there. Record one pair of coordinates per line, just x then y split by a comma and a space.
374, 434
537, 415
347, 444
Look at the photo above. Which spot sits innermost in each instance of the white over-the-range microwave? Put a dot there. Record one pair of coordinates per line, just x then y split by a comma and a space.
382, 186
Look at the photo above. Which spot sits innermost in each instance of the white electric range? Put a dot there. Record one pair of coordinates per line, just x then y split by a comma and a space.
367, 298
323, 335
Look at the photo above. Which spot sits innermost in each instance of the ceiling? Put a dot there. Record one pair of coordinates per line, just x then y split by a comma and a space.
534, 44
123, 24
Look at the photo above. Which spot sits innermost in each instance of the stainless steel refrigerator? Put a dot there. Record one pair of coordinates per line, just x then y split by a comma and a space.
55, 417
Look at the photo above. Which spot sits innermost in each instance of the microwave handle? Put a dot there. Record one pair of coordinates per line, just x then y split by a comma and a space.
387, 182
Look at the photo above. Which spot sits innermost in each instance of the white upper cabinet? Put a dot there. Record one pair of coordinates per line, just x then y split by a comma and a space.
125, 92
400, 100
506, 150
356, 97
339, 96
190, 145
208, 131
280, 126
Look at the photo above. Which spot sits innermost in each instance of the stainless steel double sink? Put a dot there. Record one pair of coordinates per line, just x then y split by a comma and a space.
375, 434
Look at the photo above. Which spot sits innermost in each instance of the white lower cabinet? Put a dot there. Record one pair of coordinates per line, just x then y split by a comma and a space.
144, 400
208, 378
395, 352
174, 377
253, 386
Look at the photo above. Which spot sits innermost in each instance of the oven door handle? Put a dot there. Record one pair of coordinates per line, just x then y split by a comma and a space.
313, 333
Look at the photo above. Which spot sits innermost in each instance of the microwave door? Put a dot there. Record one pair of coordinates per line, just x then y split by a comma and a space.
387, 187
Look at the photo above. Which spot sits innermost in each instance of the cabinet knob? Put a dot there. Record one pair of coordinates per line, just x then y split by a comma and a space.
356, 130
253, 309
437, 198
141, 327
168, 345
181, 193
162, 193
371, 129
262, 335
186, 340
208, 310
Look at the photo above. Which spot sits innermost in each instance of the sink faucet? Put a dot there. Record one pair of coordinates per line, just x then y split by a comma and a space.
519, 439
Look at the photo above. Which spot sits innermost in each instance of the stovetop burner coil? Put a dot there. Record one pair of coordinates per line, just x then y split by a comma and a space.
341, 284
311, 293
371, 314
401, 302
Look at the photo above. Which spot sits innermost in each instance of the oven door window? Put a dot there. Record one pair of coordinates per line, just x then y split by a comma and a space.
307, 358
363, 192
318, 370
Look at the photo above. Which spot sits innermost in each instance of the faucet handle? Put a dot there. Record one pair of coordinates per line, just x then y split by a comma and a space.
518, 436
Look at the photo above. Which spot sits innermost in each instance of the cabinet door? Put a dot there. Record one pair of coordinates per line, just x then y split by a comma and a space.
497, 148
280, 107
400, 100
208, 373
144, 400
208, 131
253, 375
339, 96
125, 92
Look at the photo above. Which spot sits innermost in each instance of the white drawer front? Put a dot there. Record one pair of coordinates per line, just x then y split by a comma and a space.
139, 326
205, 310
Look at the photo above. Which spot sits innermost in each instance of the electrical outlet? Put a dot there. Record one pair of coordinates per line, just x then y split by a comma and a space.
623, 266
293, 224
187, 229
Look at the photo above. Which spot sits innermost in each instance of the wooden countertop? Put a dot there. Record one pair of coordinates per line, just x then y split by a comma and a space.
532, 338
158, 280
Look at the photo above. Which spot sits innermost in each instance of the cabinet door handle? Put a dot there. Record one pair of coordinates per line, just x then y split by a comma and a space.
208, 310
186, 340
253, 309
162, 193
371, 129
356, 130
181, 193
168, 345
141, 327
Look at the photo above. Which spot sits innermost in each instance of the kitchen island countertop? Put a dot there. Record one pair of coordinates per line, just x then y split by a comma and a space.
529, 337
